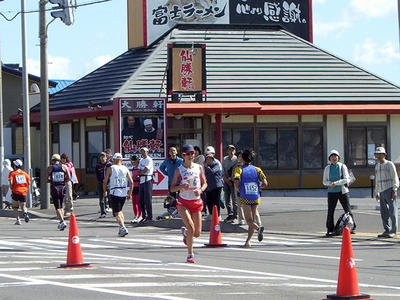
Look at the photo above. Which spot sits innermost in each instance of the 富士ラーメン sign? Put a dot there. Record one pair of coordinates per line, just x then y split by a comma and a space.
294, 16
186, 68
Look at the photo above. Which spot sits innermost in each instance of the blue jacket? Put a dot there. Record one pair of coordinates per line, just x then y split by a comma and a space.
213, 175
168, 167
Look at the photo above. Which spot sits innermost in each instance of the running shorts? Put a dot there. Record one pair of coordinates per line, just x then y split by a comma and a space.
57, 194
20, 198
116, 203
192, 205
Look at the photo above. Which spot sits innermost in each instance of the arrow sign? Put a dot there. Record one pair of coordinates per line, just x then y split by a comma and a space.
158, 177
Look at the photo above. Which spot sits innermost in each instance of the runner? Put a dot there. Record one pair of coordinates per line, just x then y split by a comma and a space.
19, 183
119, 176
246, 179
57, 176
189, 203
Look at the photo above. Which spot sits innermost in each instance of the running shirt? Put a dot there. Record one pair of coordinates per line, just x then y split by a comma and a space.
249, 177
19, 182
57, 175
118, 181
191, 176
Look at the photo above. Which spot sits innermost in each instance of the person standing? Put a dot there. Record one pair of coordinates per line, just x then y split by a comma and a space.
189, 203
19, 184
386, 185
146, 185
336, 178
169, 166
247, 181
109, 162
135, 192
100, 174
57, 176
213, 174
198, 157
69, 187
228, 165
119, 177
5, 183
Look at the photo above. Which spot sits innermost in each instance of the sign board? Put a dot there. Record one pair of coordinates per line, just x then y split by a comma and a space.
160, 16
186, 68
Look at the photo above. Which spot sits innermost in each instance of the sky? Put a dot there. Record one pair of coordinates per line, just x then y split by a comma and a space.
362, 32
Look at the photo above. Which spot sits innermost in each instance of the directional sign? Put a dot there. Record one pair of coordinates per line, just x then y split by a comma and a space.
158, 177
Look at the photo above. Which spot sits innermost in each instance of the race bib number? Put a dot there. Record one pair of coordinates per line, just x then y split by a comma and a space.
251, 188
20, 179
57, 176
120, 181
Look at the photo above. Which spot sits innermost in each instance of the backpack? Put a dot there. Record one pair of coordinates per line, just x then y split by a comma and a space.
343, 221
352, 178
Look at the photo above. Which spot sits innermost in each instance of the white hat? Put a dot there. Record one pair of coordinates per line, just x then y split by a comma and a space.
210, 149
380, 150
18, 163
117, 156
144, 149
333, 152
147, 122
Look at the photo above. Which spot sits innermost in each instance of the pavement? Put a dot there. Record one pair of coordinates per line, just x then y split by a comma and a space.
294, 213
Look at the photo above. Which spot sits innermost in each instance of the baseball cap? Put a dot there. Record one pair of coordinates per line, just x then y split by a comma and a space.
18, 163
210, 149
56, 157
380, 150
117, 156
147, 122
231, 147
187, 149
144, 149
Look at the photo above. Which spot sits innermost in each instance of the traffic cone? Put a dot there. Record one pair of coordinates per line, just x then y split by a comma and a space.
74, 255
347, 287
215, 231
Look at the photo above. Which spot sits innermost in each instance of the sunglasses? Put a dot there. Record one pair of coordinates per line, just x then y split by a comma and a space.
189, 153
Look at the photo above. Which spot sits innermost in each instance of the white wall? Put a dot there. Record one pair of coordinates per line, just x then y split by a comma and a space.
335, 137
66, 139
394, 138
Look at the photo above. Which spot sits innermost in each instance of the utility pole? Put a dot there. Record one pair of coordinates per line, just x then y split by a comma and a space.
27, 119
44, 109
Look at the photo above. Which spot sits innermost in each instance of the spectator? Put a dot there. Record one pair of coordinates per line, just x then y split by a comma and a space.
336, 178
247, 181
198, 157
228, 165
213, 173
240, 209
5, 184
135, 192
109, 163
100, 173
119, 176
69, 187
386, 185
146, 185
19, 184
169, 166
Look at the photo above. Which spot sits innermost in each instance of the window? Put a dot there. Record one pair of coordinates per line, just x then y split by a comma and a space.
287, 148
312, 148
55, 133
362, 142
95, 144
185, 130
268, 150
75, 132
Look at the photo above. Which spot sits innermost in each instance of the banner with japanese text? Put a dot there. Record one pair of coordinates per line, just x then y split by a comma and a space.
162, 15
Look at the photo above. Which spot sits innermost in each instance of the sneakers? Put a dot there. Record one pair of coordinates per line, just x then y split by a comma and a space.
18, 222
230, 219
122, 231
329, 234
241, 222
61, 226
246, 245
108, 209
26, 217
190, 258
102, 216
184, 233
260, 233
386, 235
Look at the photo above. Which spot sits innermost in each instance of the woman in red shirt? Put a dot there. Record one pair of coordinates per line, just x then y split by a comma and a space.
135, 193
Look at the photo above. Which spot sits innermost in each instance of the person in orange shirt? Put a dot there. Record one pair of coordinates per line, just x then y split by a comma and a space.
19, 182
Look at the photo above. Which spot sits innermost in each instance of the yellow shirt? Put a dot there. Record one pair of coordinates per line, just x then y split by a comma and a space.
237, 175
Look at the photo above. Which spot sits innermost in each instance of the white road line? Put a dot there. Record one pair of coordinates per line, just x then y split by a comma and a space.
65, 244
154, 284
97, 276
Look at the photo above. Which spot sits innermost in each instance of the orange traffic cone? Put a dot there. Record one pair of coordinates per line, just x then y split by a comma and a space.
347, 287
74, 256
215, 231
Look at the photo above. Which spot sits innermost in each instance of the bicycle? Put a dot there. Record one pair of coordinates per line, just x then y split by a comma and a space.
35, 190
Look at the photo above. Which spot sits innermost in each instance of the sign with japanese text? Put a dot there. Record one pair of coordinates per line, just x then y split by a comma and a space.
142, 124
162, 15
186, 68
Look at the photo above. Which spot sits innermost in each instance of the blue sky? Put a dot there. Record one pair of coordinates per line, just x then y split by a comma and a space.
363, 32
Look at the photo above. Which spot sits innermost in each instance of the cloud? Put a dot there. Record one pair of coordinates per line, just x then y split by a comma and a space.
336, 28
374, 8
96, 62
372, 53
319, 1
58, 67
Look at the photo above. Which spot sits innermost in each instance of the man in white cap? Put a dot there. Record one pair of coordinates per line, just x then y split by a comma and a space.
386, 185
19, 184
146, 185
119, 176
149, 132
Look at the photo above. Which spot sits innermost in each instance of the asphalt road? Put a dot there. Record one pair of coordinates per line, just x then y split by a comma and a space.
293, 261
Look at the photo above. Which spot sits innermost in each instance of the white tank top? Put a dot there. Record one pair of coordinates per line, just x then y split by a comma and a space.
118, 181
191, 176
